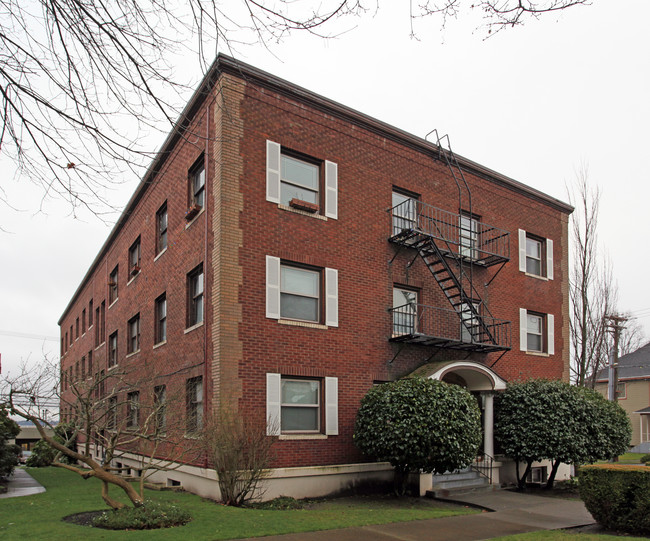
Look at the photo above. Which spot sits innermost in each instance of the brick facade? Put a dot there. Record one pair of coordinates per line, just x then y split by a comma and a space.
229, 121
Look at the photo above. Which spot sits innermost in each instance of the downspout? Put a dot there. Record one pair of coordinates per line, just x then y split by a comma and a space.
206, 304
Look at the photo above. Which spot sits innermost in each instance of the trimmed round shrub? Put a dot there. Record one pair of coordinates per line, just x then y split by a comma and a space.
618, 496
645, 459
419, 424
152, 515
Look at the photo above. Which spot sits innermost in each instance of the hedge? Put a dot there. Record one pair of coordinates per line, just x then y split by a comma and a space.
618, 496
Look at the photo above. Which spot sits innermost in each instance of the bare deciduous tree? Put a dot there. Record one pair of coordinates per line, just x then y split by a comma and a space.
81, 82
111, 423
593, 292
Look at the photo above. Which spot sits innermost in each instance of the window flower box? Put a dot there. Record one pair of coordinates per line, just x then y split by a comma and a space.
192, 212
303, 205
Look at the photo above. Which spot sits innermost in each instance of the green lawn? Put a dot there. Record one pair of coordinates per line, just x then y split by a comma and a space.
566, 536
39, 516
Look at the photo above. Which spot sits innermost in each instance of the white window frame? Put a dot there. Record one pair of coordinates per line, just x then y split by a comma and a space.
468, 235
274, 405
329, 292
405, 216
328, 189
399, 326
547, 269
549, 322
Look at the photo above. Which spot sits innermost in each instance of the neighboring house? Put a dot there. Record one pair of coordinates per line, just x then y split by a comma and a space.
633, 393
29, 435
284, 253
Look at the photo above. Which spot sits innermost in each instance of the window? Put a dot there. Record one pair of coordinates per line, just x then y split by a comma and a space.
97, 332
537, 333
299, 294
112, 349
111, 414
77, 329
301, 405
405, 310
134, 258
112, 285
90, 313
133, 344
76, 371
90, 363
197, 184
194, 416
160, 405
83, 321
160, 331
621, 390
62, 346
535, 255
83, 367
102, 322
295, 292
66, 340
132, 409
71, 335
404, 208
468, 235
161, 228
195, 296
296, 181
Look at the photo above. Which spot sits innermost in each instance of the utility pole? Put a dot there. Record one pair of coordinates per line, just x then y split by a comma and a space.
614, 324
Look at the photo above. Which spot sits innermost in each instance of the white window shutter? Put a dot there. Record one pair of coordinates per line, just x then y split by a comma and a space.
272, 172
272, 287
550, 323
522, 250
273, 394
331, 297
549, 259
523, 329
332, 406
331, 190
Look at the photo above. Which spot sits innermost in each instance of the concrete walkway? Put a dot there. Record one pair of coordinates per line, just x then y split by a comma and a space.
22, 484
514, 513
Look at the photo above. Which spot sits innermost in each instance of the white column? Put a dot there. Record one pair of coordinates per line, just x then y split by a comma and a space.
488, 424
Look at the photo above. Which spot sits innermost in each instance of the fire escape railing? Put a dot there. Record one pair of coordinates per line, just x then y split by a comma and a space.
436, 325
471, 239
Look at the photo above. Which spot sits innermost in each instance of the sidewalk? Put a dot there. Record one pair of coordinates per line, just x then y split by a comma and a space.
514, 513
22, 484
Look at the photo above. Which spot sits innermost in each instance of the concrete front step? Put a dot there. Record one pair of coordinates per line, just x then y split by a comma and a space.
460, 483
451, 493
455, 476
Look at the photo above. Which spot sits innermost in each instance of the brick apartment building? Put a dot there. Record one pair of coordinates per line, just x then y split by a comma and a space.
284, 253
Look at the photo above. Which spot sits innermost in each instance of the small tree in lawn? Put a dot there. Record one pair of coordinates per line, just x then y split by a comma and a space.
418, 425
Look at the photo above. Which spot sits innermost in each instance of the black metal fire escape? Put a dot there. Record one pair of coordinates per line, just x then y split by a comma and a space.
453, 246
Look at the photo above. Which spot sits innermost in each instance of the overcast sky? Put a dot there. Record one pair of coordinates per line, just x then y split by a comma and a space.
534, 103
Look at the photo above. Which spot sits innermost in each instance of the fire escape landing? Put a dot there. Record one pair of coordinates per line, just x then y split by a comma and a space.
454, 247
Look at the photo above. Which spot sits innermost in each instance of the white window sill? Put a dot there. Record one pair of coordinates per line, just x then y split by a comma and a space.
302, 437
159, 344
133, 353
302, 212
100, 345
190, 329
113, 303
543, 278
133, 277
160, 254
306, 324
537, 353
188, 224
112, 367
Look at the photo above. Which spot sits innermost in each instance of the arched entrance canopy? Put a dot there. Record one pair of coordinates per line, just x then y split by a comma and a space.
476, 376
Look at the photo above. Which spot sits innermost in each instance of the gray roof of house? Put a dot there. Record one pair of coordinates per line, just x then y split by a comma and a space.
633, 365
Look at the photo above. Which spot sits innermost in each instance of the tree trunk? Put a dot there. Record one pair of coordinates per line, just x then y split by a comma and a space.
551, 477
400, 481
521, 481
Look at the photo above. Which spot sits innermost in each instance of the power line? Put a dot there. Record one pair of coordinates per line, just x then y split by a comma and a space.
29, 336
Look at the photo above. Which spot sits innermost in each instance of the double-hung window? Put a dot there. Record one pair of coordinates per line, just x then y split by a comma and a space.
301, 405
195, 296
160, 407
297, 181
194, 403
133, 343
300, 293
197, 185
405, 311
536, 332
535, 255
112, 349
404, 209
134, 258
112, 285
133, 409
161, 228
160, 331
468, 236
